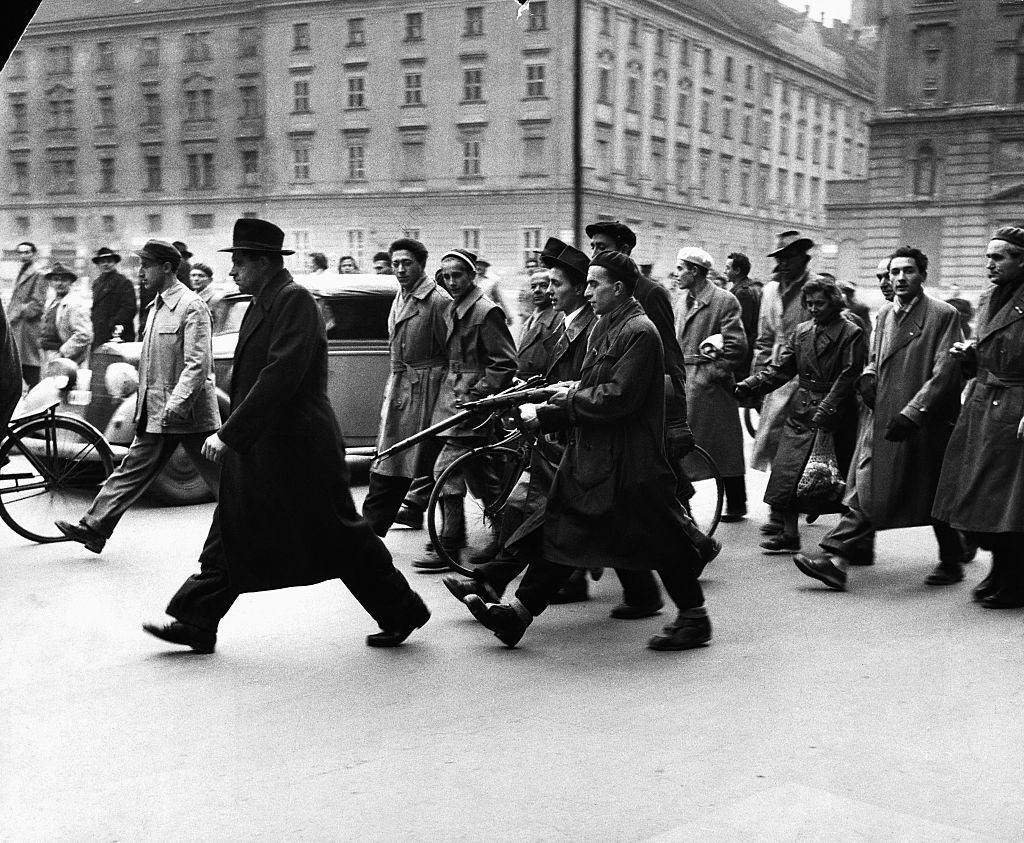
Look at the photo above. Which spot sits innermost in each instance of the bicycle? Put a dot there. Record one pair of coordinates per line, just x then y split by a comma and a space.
505, 460
50, 467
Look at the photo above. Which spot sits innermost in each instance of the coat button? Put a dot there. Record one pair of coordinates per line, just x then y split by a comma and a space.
995, 403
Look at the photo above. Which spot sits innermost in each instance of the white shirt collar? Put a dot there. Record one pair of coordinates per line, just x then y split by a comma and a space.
569, 319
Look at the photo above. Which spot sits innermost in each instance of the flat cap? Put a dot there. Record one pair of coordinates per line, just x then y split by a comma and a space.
618, 231
696, 256
160, 251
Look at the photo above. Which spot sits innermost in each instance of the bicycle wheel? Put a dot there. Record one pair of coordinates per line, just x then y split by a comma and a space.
51, 468
503, 466
705, 505
751, 419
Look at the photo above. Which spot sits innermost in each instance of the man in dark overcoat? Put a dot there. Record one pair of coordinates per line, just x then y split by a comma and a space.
113, 300
417, 335
613, 499
748, 294
912, 386
981, 488
285, 516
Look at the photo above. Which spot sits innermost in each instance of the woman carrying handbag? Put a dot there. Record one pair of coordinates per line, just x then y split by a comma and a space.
827, 352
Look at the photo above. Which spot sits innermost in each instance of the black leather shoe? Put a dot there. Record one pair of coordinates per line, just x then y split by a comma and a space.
626, 612
684, 634
944, 574
731, 516
772, 528
709, 551
986, 588
823, 570
83, 535
431, 560
1000, 601
199, 639
499, 618
409, 518
461, 588
418, 615
781, 543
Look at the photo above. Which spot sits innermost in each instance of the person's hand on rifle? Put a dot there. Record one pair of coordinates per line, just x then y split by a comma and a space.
528, 417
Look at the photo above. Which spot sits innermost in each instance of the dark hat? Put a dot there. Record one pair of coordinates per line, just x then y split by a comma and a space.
564, 256
791, 241
160, 251
58, 269
253, 235
620, 232
463, 255
1010, 234
621, 267
106, 254
182, 249
482, 263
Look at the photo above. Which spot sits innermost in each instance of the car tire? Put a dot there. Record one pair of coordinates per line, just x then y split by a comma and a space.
180, 483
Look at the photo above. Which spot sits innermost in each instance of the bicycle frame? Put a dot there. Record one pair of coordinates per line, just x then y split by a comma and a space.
13, 433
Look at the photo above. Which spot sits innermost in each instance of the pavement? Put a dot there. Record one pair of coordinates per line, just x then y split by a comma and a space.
890, 712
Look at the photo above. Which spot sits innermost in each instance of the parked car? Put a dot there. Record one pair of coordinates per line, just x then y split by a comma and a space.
355, 310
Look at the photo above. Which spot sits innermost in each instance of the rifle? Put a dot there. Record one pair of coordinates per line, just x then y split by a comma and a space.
469, 408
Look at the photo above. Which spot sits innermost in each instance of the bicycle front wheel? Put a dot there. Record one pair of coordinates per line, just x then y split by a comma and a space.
705, 505
486, 477
50, 469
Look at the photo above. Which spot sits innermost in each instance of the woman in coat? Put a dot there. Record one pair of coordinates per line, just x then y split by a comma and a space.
826, 354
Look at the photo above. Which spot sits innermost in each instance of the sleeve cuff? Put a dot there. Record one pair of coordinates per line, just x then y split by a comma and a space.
914, 414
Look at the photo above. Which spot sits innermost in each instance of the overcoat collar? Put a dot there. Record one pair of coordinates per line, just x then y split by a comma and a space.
697, 300
259, 307
462, 307
171, 296
1010, 313
543, 320
831, 333
909, 329
579, 326
409, 305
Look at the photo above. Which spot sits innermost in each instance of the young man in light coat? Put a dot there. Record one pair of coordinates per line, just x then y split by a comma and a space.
177, 402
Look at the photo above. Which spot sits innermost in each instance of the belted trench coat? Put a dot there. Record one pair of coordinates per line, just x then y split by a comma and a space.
481, 358
712, 409
914, 374
981, 487
419, 362
826, 371
612, 502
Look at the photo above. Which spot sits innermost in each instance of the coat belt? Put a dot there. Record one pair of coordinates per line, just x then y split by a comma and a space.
815, 386
1001, 378
459, 368
410, 368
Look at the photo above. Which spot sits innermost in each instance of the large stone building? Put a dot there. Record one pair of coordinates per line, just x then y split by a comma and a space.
946, 163
351, 122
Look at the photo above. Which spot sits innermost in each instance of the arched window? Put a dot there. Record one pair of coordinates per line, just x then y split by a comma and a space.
925, 167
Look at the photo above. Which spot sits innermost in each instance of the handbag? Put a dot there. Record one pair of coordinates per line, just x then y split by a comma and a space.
821, 486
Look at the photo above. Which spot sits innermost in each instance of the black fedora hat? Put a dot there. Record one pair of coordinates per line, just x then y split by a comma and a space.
253, 235
57, 270
106, 254
182, 249
562, 255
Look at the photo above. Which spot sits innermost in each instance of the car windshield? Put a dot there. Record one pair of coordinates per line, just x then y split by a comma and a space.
229, 315
356, 317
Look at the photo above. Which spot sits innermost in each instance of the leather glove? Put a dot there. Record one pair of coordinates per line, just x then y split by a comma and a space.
866, 386
742, 391
679, 440
900, 428
822, 419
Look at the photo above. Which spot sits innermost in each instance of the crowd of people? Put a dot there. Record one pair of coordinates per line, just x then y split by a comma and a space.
637, 373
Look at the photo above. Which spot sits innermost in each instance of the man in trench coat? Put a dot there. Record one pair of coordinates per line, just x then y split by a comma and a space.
285, 516
912, 385
613, 499
419, 362
25, 312
113, 300
981, 488
705, 310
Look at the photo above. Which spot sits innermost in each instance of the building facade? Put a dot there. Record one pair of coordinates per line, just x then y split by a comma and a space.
946, 162
352, 123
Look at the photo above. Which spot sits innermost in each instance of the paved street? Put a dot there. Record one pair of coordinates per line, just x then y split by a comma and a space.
889, 713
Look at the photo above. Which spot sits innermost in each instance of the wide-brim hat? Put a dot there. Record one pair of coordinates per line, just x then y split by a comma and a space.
57, 269
618, 231
254, 235
562, 255
791, 241
106, 254
182, 249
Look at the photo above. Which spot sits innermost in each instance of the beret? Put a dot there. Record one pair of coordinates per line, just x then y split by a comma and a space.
1011, 234
620, 266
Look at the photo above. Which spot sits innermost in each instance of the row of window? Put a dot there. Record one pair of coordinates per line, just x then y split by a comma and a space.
199, 102
198, 46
